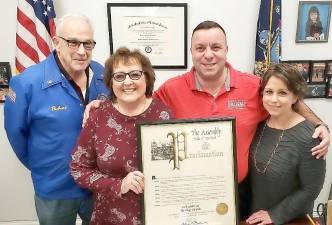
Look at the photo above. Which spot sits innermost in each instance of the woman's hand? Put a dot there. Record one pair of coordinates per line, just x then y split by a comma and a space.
133, 181
261, 217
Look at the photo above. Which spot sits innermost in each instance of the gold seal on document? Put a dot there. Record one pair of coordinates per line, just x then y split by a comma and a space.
222, 208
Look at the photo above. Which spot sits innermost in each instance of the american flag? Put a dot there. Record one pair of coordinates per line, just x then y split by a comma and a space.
35, 27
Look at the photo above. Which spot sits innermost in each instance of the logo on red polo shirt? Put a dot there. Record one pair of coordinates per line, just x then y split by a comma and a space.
237, 104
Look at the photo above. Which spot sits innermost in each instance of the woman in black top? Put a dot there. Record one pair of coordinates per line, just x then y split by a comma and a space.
285, 178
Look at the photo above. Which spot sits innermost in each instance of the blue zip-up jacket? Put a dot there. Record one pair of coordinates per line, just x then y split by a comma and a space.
43, 118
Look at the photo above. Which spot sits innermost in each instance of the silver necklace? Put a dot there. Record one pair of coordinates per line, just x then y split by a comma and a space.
263, 170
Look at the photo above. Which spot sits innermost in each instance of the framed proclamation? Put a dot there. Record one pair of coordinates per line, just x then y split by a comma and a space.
159, 30
189, 169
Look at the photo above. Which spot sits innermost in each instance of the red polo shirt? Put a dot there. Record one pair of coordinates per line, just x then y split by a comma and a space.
241, 100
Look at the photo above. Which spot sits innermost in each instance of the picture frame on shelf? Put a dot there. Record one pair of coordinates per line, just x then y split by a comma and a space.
3, 92
329, 87
317, 73
316, 90
303, 67
5, 73
313, 21
329, 68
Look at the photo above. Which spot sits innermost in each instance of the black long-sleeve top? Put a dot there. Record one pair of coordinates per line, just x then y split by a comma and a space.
293, 178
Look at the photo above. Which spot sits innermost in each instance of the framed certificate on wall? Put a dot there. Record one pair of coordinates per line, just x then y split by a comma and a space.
159, 30
189, 169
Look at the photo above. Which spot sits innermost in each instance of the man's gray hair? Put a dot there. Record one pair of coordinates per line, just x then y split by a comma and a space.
61, 20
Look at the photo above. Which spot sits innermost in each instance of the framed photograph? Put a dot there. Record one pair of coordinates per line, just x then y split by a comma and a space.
3, 92
158, 30
316, 91
5, 73
329, 90
190, 172
303, 66
313, 21
317, 74
329, 68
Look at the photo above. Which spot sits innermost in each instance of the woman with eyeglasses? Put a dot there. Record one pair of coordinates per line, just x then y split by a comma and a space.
104, 159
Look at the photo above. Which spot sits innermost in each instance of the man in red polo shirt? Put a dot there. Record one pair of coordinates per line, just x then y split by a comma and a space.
214, 88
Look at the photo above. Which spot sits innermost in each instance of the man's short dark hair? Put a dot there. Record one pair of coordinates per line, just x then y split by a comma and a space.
206, 25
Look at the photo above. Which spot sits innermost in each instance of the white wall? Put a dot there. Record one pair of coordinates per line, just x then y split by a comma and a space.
238, 17
16, 192
312, 51
241, 36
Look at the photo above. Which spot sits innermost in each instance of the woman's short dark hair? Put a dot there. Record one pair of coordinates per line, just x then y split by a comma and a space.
288, 74
128, 57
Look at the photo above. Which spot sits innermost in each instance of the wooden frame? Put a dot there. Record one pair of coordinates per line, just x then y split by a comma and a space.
158, 30
317, 73
309, 31
180, 154
303, 66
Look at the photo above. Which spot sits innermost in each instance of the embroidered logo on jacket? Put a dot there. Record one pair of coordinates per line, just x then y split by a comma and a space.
58, 108
237, 104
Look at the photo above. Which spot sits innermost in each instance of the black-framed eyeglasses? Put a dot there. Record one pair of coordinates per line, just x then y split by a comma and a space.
134, 75
75, 44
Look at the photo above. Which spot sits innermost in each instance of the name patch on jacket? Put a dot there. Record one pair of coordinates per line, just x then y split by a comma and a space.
237, 104
58, 108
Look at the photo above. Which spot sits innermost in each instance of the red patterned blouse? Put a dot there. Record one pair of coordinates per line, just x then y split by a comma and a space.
106, 151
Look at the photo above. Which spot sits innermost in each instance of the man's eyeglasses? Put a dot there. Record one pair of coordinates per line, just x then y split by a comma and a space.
134, 75
75, 44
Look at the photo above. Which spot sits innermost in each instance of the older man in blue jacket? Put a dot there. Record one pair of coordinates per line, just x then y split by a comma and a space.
43, 116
